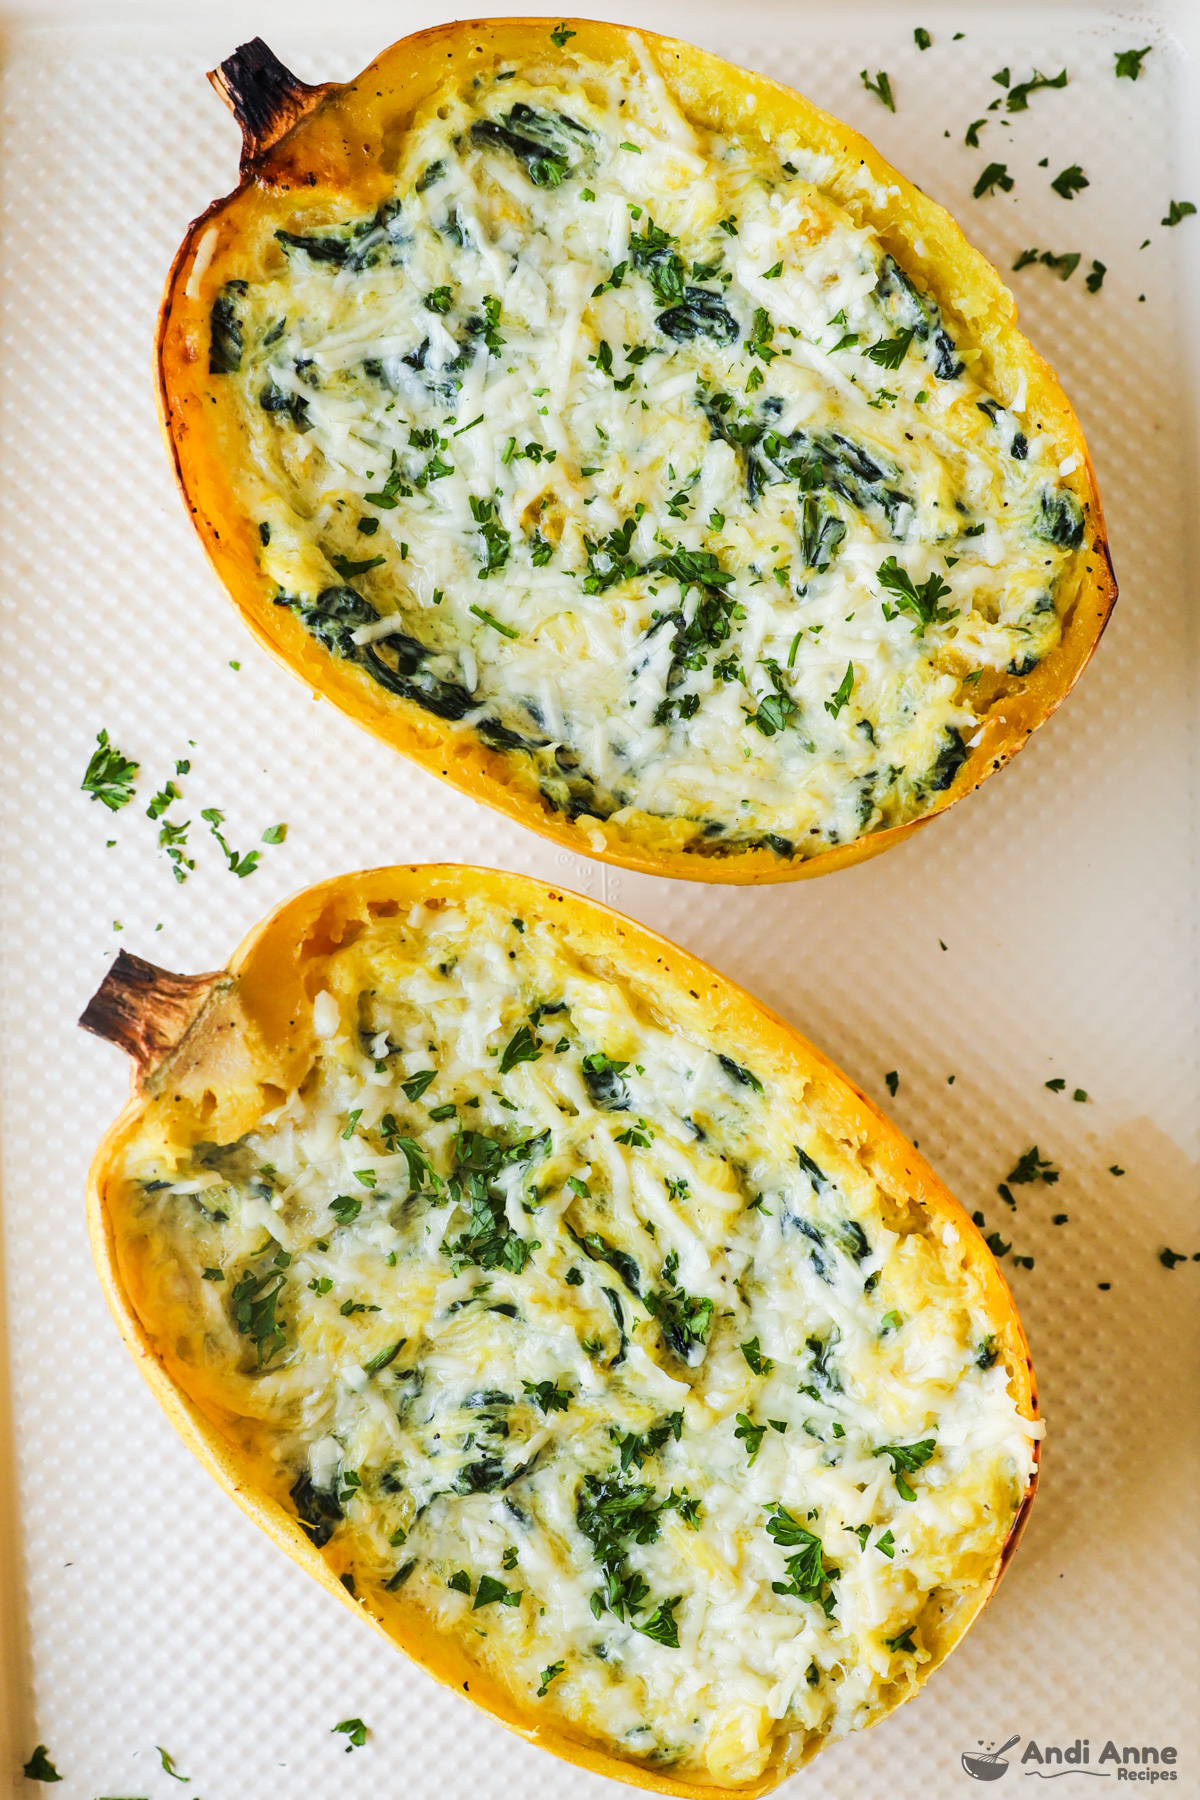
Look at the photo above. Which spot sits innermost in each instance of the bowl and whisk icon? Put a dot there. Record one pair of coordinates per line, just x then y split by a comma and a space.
987, 1765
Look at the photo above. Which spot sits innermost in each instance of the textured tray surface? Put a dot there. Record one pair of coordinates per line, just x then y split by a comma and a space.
1044, 929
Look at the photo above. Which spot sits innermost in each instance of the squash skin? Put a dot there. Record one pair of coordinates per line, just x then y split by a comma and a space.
334, 150
240, 1041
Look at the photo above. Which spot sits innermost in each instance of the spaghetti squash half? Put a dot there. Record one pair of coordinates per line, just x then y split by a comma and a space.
623, 439
569, 1316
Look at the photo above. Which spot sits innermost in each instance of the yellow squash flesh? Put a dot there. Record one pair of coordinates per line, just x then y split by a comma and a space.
213, 1053
325, 151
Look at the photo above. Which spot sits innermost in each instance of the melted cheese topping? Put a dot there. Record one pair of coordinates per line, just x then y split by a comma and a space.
608, 1357
622, 444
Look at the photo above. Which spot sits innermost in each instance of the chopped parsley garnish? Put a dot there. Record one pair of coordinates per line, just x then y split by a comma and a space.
1032, 1167
973, 130
439, 301
497, 544
488, 619
889, 353
547, 1676
662, 266
1018, 96
893, 1082
355, 1731
491, 1589
162, 800
776, 709
241, 866
1070, 182
750, 1434
905, 1460
415, 1086
522, 1047
460, 1581
661, 1624
1129, 62
548, 1395
1057, 1085
274, 834
920, 601
1095, 280
559, 36
881, 87
345, 1208
637, 1449
761, 1365
921, 38
683, 1318
39, 1767
806, 1571
1170, 1258
996, 175
348, 569
254, 1301
1178, 209
1063, 266
843, 693
109, 778
387, 496
613, 1514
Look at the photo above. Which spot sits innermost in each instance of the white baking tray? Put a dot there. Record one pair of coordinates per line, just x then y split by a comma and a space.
1046, 928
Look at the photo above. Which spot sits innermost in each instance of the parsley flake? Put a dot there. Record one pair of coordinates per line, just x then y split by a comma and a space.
881, 87
760, 1364
39, 1767
1129, 62
1070, 182
109, 778
547, 1676
996, 175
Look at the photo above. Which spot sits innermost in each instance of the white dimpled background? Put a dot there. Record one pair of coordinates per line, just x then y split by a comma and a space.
1045, 929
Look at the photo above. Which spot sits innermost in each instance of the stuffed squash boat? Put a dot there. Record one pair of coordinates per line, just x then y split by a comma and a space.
624, 440
567, 1314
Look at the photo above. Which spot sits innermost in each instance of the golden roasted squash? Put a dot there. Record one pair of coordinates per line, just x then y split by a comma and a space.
625, 441
565, 1313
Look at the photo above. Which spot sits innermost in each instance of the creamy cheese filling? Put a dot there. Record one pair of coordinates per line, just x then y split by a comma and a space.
621, 443
598, 1348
